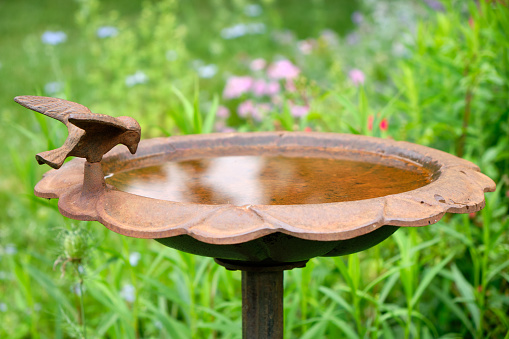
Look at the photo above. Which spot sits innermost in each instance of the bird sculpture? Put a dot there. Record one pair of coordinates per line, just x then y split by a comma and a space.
90, 136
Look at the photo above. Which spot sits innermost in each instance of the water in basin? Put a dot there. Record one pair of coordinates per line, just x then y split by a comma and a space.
271, 180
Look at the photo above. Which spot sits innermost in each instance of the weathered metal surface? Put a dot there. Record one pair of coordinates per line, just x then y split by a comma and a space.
262, 305
277, 248
457, 186
90, 135
234, 265
262, 297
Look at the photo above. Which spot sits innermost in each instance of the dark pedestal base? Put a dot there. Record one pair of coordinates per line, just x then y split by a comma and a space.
262, 298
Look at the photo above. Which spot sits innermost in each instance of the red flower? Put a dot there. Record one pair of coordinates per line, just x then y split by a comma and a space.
471, 22
384, 125
370, 122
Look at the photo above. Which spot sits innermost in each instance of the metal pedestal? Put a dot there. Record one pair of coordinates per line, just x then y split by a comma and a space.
262, 298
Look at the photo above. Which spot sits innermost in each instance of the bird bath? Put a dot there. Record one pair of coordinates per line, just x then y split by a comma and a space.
263, 202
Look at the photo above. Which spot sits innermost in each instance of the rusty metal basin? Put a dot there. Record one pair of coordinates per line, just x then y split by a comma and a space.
268, 198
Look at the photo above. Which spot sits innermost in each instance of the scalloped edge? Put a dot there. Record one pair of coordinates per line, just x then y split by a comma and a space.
460, 188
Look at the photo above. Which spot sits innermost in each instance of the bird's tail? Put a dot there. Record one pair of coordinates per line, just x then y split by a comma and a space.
55, 158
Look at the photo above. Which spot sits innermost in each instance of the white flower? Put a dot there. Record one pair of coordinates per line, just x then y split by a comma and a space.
134, 258
76, 289
207, 71
234, 31
398, 49
11, 249
53, 37
284, 37
106, 32
352, 38
128, 293
357, 18
53, 87
137, 78
253, 10
256, 28
329, 36
241, 29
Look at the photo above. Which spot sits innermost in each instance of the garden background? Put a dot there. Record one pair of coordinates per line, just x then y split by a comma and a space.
435, 73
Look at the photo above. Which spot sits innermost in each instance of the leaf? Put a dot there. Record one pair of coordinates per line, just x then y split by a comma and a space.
428, 277
337, 298
197, 120
352, 129
107, 321
347, 104
345, 327
449, 302
388, 287
208, 125
363, 110
174, 328
185, 121
318, 329
390, 272
492, 273
467, 292
49, 286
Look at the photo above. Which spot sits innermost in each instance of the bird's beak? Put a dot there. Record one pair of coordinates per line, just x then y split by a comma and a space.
133, 148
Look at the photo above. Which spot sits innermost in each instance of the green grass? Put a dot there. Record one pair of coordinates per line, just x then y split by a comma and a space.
448, 89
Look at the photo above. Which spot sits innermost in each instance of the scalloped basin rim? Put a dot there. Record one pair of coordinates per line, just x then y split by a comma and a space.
457, 187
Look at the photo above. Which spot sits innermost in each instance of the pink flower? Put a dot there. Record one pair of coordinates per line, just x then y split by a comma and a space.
259, 111
384, 125
305, 46
245, 108
259, 88
357, 76
255, 111
283, 69
257, 64
222, 112
222, 128
227, 129
236, 86
290, 86
298, 111
272, 88
308, 129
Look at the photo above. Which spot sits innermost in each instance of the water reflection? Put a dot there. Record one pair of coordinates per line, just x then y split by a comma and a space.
242, 180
